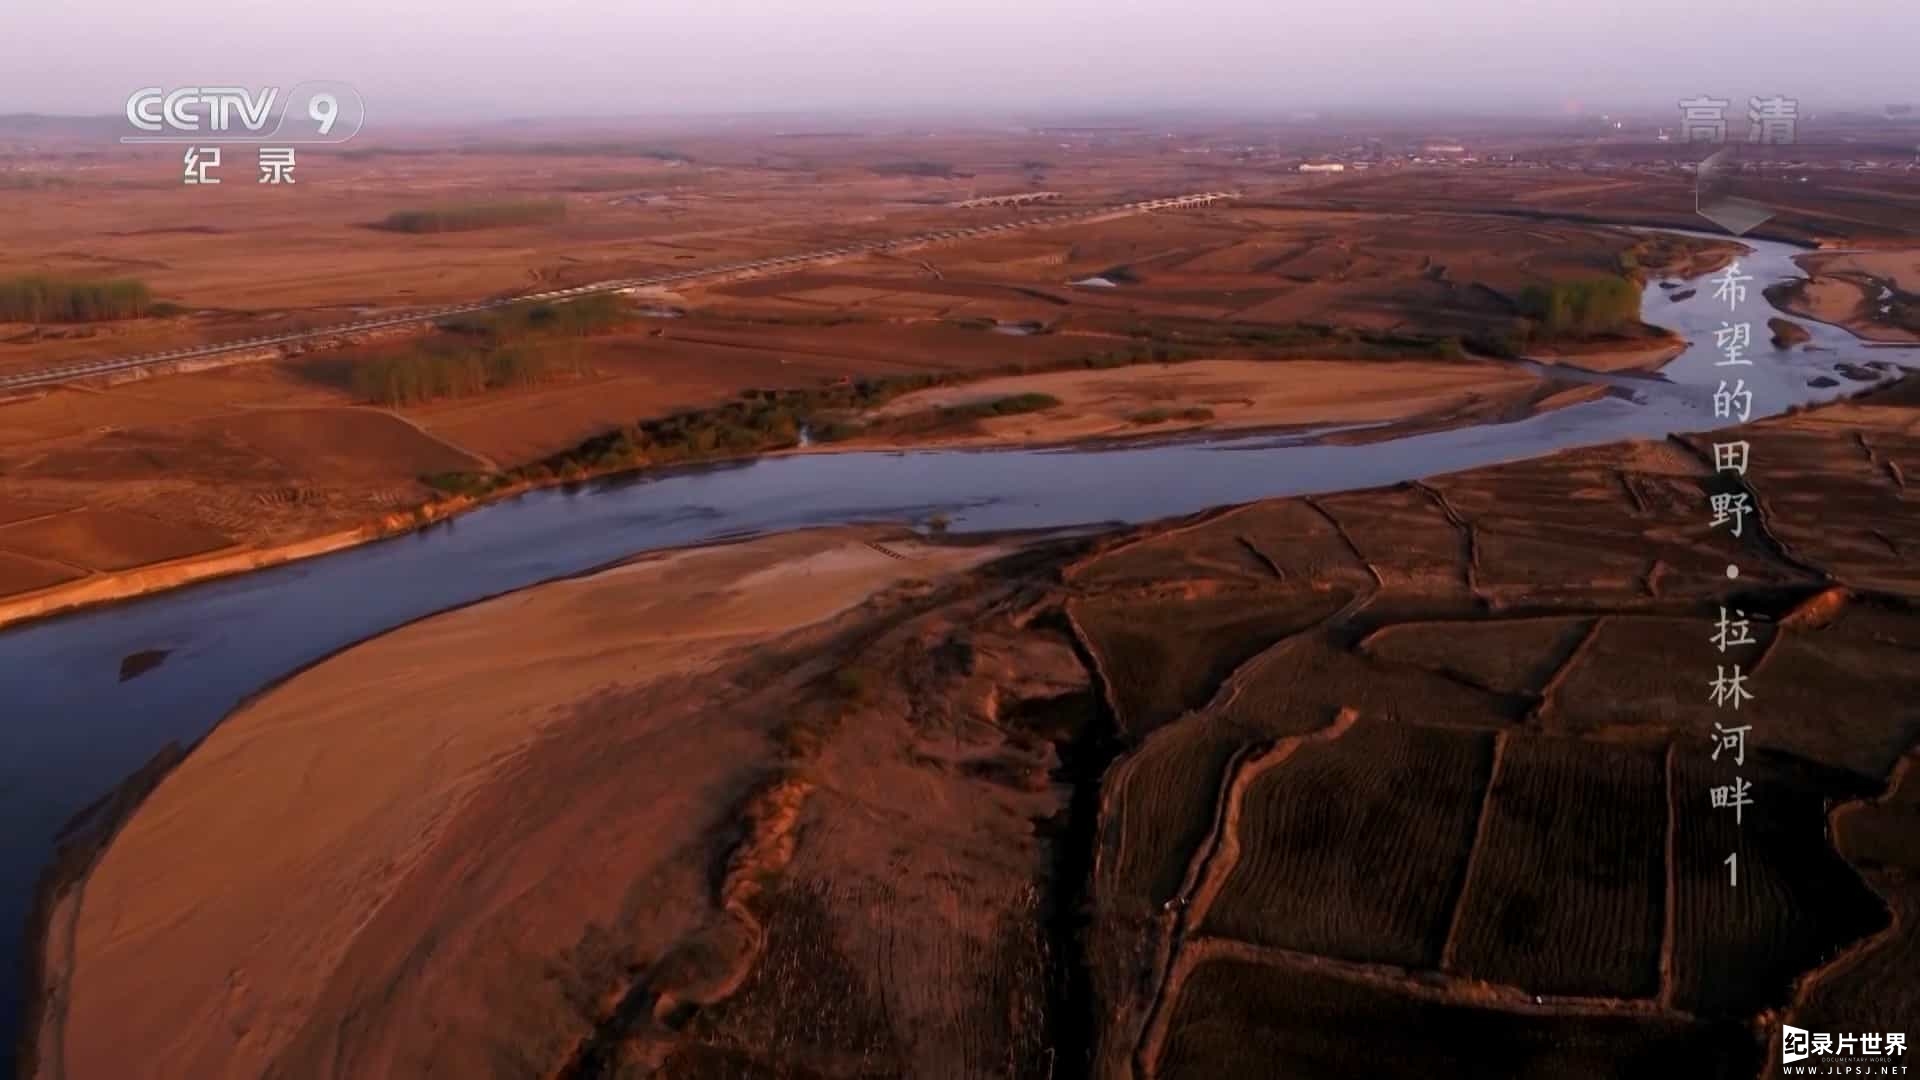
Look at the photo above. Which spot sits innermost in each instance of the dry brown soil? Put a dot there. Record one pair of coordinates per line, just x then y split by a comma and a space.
1231, 394
271, 454
735, 812
1849, 289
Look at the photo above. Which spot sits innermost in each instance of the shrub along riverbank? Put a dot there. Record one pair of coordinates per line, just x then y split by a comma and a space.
761, 421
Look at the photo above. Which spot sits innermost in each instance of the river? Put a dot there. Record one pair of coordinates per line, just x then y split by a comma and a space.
71, 727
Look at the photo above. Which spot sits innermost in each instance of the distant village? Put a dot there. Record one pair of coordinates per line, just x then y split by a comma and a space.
1601, 144
1592, 157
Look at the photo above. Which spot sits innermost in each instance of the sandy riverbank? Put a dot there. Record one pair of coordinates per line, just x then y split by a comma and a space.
796, 800
1095, 406
1855, 290
1214, 395
112, 587
351, 773
1649, 355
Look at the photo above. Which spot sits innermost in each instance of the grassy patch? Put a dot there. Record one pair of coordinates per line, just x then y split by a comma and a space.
758, 420
772, 419
806, 1000
37, 298
441, 370
596, 314
1161, 352
770, 319
854, 685
522, 345
816, 716
836, 431
1011, 405
1583, 308
1160, 415
470, 484
937, 169
1170, 341
465, 217
23, 181
607, 148
616, 181
368, 153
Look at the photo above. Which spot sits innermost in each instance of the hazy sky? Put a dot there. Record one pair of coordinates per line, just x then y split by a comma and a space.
415, 59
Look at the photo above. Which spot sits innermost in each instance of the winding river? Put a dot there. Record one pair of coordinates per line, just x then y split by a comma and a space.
71, 727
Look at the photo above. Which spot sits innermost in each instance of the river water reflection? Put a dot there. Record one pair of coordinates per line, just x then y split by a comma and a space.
70, 728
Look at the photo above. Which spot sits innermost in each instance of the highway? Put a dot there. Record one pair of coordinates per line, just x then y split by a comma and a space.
84, 369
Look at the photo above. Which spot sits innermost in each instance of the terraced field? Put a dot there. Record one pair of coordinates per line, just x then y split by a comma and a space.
1871, 986
1567, 894
1241, 1017
1356, 847
1797, 905
1255, 793
1461, 824
1166, 656
1508, 656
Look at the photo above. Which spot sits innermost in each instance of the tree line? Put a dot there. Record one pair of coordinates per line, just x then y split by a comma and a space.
39, 299
462, 217
443, 370
521, 345
1588, 307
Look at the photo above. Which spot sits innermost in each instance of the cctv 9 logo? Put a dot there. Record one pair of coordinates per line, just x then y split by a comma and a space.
312, 112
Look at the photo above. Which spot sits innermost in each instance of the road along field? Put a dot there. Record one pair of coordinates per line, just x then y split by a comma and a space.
215, 471
912, 807
262, 460
74, 371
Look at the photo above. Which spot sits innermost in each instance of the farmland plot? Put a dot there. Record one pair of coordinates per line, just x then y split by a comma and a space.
1356, 848
1566, 895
